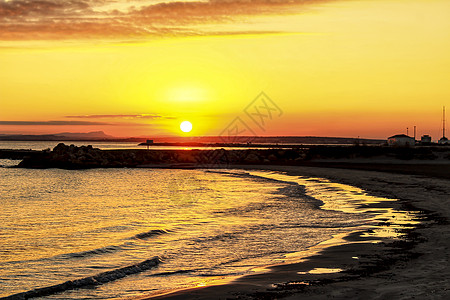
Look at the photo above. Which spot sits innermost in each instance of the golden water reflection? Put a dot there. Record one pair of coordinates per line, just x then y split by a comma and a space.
384, 217
321, 271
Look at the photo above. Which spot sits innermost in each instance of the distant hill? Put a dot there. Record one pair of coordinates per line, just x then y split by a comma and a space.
101, 136
272, 140
88, 135
64, 136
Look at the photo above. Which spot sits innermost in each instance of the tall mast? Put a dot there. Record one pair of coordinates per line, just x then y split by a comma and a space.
443, 121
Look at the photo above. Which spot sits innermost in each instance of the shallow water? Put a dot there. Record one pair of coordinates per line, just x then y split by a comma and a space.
59, 225
42, 145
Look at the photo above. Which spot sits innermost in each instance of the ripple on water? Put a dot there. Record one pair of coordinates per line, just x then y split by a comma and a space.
67, 225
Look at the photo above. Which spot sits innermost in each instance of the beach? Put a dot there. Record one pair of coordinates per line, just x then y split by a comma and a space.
224, 149
416, 270
424, 277
361, 228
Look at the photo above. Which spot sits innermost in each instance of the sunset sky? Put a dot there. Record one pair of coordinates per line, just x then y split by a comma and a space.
366, 68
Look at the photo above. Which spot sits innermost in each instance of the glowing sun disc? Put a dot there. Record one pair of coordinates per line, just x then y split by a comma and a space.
186, 126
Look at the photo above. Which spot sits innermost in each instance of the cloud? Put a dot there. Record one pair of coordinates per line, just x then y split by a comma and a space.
135, 116
25, 8
68, 19
117, 117
52, 123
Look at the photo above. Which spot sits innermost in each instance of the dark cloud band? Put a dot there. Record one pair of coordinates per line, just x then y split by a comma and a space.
121, 116
52, 123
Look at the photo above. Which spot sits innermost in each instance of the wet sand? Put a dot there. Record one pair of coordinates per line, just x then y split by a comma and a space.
437, 169
414, 267
425, 273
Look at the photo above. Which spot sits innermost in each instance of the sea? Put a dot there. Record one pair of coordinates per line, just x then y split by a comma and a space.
198, 227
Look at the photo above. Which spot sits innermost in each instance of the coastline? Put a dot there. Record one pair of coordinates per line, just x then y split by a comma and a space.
414, 266
411, 267
378, 158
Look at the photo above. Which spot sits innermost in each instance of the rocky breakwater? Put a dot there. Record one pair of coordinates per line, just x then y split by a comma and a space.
85, 157
67, 157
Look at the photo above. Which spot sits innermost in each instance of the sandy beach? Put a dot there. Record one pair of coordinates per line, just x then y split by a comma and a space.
414, 268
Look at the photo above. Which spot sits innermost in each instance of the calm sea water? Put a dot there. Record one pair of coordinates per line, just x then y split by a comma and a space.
59, 225
41, 145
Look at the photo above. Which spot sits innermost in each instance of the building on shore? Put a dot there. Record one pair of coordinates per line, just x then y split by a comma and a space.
401, 140
443, 141
148, 143
425, 139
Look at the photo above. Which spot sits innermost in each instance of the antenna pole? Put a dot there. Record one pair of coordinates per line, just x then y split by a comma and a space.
414, 132
443, 121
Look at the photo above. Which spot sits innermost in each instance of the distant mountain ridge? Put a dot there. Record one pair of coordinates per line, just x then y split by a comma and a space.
64, 136
272, 140
92, 134
101, 136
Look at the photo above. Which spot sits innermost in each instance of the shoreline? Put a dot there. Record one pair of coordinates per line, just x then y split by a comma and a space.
283, 280
416, 265
424, 277
377, 158
321, 266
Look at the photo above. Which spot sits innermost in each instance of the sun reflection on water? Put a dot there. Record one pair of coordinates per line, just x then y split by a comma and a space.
384, 218
206, 227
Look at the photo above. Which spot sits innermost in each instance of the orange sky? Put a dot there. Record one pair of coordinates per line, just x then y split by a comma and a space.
366, 68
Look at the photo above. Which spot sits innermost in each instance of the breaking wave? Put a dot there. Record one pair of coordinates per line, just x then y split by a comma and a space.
149, 234
98, 279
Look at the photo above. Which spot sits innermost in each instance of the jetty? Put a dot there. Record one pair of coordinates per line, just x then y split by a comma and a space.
434, 161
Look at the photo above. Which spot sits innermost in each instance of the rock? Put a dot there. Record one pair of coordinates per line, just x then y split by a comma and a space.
272, 157
252, 158
60, 148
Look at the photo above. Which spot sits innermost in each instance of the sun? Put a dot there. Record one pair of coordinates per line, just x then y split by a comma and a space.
186, 126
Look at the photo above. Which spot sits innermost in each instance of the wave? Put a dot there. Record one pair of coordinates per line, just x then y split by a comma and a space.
168, 273
64, 256
149, 234
243, 174
9, 163
94, 252
270, 227
99, 251
210, 271
98, 279
291, 189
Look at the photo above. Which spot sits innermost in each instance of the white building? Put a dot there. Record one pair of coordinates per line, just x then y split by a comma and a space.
401, 140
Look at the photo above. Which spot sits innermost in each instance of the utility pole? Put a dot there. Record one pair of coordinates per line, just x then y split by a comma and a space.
443, 121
